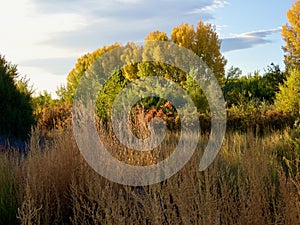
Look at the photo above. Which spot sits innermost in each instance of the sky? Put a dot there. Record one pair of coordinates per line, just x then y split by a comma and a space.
45, 37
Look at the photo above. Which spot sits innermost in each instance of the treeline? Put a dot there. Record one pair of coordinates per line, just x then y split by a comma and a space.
253, 101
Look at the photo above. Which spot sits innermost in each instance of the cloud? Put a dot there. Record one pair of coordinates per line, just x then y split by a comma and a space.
247, 40
210, 7
123, 20
127, 9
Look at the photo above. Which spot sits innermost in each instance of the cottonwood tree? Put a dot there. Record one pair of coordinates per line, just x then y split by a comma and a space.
288, 98
67, 93
291, 36
203, 41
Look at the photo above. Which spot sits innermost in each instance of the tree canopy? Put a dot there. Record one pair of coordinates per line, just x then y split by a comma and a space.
203, 41
15, 106
288, 97
291, 36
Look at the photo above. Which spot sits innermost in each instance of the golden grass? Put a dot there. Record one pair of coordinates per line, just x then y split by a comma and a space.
246, 184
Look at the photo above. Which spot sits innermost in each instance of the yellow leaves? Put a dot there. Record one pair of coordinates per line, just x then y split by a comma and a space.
288, 98
291, 35
157, 36
146, 60
130, 72
184, 35
204, 42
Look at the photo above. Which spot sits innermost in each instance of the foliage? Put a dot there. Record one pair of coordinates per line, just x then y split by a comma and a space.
41, 101
204, 42
83, 63
288, 98
291, 34
270, 82
51, 114
257, 117
242, 89
108, 93
15, 103
56, 116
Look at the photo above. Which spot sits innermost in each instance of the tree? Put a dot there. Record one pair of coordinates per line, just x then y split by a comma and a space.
157, 36
261, 88
270, 82
204, 42
15, 103
230, 83
291, 35
67, 93
288, 98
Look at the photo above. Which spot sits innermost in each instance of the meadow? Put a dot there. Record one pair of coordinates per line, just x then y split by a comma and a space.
255, 179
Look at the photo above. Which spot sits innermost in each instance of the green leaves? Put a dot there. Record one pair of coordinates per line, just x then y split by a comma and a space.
15, 103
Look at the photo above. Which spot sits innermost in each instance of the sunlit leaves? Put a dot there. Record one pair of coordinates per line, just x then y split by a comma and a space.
291, 35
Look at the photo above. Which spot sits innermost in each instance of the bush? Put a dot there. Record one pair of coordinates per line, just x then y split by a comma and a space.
15, 107
57, 116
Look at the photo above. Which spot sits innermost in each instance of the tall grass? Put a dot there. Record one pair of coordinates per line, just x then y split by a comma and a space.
8, 190
249, 183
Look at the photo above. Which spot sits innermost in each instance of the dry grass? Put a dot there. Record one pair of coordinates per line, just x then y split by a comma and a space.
246, 184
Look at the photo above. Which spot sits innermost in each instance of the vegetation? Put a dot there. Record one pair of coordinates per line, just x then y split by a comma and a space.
15, 96
255, 178
291, 33
288, 98
262, 88
203, 41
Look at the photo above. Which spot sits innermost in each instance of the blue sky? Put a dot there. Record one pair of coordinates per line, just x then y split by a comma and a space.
45, 37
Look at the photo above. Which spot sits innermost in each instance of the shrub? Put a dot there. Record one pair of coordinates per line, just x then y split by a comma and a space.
16, 110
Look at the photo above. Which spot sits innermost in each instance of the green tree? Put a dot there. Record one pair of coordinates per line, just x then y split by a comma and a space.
108, 93
231, 80
288, 98
269, 84
291, 36
15, 103
260, 88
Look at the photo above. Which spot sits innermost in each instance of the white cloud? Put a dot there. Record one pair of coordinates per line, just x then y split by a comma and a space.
24, 28
247, 40
130, 1
210, 7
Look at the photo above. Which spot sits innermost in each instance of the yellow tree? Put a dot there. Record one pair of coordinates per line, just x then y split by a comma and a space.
83, 63
157, 36
288, 98
291, 35
154, 52
204, 42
